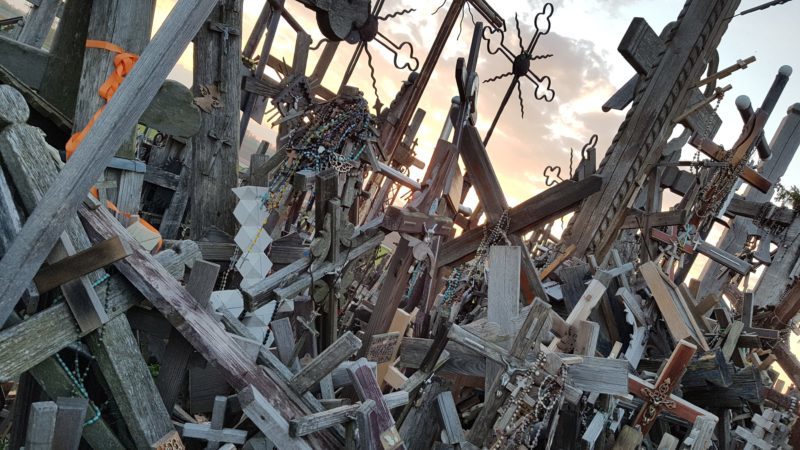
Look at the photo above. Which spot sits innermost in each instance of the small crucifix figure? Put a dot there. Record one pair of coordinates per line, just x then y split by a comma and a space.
658, 397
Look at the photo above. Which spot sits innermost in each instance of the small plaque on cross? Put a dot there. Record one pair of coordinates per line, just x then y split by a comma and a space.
383, 347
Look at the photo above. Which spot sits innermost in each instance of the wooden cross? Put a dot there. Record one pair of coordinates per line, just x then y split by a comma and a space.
658, 397
699, 246
784, 145
669, 72
747, 319
213, 432
742, 149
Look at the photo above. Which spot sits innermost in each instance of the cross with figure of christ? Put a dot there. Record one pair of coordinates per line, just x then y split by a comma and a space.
658, 396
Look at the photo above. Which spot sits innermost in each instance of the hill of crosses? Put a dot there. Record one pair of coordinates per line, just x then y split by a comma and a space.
564, 227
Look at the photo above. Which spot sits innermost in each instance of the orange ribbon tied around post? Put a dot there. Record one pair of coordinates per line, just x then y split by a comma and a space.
123, 63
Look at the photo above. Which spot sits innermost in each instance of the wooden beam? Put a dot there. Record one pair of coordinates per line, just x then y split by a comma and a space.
534, 212
44, 226
81, 263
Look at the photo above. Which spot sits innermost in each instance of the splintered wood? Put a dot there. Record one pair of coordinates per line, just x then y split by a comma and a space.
356, 304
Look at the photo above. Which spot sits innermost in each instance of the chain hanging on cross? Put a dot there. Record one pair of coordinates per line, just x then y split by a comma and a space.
521, 64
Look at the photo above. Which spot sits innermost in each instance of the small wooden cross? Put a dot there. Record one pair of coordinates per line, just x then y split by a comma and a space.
658, 397
715, 254
747, 319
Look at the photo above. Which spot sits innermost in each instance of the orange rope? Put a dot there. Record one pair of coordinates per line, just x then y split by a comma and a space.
123, 64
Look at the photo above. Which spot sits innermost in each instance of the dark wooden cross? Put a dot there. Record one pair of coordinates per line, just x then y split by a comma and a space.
667, 72
658, 396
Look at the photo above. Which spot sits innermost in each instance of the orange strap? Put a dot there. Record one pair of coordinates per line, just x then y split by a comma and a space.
123, 63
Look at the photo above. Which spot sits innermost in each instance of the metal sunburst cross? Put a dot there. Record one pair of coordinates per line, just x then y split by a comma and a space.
369, 31
521, 64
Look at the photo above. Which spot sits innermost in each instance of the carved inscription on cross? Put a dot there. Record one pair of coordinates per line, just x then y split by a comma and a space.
658, 397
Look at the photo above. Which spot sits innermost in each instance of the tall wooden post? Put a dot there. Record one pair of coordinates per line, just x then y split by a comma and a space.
425, 73
660, 98
217, 50
123, 23
39, 23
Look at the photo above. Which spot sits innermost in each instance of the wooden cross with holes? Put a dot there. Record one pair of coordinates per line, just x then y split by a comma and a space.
666, 86
658, 397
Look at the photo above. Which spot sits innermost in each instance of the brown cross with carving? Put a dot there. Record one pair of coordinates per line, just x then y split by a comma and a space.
658, 397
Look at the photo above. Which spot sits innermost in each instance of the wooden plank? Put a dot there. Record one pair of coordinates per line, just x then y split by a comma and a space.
130, 382
503, 295
324, 364
215, 147
48, 331
732, 339
341, 414
44, 226
172, 374
198, 326
39, 23
673, 307
420, 427
172, 219
366, 386
41, 426
269, 420
69, 422
450, 419
532, 213
81, 263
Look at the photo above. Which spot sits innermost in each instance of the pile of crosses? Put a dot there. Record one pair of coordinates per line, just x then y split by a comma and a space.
155, 295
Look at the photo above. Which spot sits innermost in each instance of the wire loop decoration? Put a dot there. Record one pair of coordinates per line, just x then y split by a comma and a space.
520, 62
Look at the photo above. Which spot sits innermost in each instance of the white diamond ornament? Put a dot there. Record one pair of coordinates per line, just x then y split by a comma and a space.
254, 240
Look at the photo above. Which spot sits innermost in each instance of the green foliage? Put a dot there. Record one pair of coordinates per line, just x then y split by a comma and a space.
790, 196
155, 368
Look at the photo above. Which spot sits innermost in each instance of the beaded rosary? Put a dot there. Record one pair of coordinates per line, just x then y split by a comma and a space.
521, 412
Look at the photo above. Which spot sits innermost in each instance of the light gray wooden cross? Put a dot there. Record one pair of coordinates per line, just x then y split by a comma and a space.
213, 432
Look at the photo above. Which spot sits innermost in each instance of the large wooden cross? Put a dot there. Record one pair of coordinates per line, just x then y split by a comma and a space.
658, 396
661, 97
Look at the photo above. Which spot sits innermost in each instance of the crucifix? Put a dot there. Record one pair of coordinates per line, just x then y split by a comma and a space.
676, 64
742, 226
658, 396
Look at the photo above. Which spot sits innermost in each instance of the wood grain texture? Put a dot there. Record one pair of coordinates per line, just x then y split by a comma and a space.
39, 23
325, 362
118, 356
269, 420
45, 225
660, 97
195, 323
216, 145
